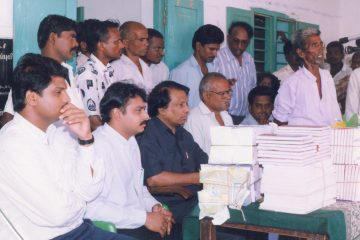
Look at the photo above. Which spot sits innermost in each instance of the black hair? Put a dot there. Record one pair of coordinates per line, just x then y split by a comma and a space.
117, 96
247, 27
99, 33
335, 44
275, 83
84, 29
160, 96
208, 34
288, 48
261, 91
33, 72
53, 24
154, 33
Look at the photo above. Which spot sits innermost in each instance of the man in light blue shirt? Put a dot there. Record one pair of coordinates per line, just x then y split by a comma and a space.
206, 43
238, 66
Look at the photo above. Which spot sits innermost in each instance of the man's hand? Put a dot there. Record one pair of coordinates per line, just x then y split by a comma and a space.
77, 121
168, 215
156, 222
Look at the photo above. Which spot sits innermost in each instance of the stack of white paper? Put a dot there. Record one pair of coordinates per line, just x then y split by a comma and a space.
345, 153
298, 175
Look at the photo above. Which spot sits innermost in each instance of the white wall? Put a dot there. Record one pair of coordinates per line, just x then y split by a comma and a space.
6, 19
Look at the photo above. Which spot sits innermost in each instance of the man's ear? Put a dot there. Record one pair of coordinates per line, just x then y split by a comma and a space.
31, 98
52, 37
300, 53
197, 46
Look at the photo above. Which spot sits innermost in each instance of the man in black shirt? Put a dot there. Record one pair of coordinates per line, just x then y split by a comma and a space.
169, 154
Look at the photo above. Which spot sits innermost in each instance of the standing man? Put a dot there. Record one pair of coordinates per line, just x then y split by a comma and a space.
124, 200
159, 70
56, 38
292, 66
215, 93
130, 67
206, 43
308, 97
46, 183
338, 70
96, 75
238, 66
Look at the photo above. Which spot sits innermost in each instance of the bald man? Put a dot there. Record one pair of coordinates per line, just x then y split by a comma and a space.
130, 67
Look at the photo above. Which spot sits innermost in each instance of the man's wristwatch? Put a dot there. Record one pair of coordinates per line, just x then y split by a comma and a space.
86, 142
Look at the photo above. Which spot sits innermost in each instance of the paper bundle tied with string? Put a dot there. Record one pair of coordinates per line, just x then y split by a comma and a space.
222, 186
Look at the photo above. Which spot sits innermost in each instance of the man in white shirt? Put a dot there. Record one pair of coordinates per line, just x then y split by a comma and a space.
46, 177
261, 103
292, 66
57, 40
160, 72
215, 94
308, 97
205, 43
125, 200
130, 67
96, 75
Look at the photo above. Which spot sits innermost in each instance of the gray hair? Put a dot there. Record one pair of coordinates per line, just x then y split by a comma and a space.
299, 39
205, 84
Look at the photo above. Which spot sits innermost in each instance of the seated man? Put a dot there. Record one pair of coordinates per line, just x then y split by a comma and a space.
125, 200
46, 177
169, 154
215, 94
261, 103
307, 97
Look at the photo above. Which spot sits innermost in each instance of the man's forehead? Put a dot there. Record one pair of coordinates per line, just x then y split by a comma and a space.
262, 99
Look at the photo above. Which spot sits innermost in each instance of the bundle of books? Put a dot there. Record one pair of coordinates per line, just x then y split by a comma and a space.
345, 153
298, 175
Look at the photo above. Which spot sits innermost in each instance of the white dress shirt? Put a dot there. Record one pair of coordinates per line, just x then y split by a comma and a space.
244, 74
80, 60
126, 70
199, 122
45, 180
189, 74
124, 199
299, 103
160, 72
353, 94
284, 73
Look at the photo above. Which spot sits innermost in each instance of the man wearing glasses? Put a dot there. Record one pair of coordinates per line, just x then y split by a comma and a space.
238, 66
215, 94
308, 97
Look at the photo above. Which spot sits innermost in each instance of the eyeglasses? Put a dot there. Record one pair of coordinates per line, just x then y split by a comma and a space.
157, 49
316, 45
222, 94
239, 41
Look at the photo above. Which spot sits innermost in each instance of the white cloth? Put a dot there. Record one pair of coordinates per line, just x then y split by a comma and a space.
45, 179
72, 91
126, 71
353, 94
160, 72
80, 60
93, 78
189, 74
284, 73
124, 199
298, 101
199, 122
249, 120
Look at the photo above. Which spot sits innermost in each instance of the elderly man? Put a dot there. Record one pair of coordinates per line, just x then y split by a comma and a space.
153, 57
215, 94
308, 97
238, 66
261, 103
130, 67
206, 43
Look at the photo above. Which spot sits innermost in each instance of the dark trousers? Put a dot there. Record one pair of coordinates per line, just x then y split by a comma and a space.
87, 231
143, 233
237, 119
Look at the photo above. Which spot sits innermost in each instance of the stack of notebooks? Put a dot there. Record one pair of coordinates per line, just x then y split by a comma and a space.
345, 153
298, 175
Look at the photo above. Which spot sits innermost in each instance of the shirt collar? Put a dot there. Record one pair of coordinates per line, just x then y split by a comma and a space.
115, 135
203, 108
308, 74
98, 64
162, 126
230, 57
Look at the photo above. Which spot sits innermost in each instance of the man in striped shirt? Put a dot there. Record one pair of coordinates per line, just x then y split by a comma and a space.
238, 66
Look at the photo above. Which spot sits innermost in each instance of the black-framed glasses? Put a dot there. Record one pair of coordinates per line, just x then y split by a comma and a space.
223, 93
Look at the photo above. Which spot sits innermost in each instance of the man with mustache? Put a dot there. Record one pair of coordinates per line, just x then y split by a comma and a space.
57, 40
125, 200
96, 75
169, 154
308, 97
215, 93
206, 43
261, 103
130, 67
